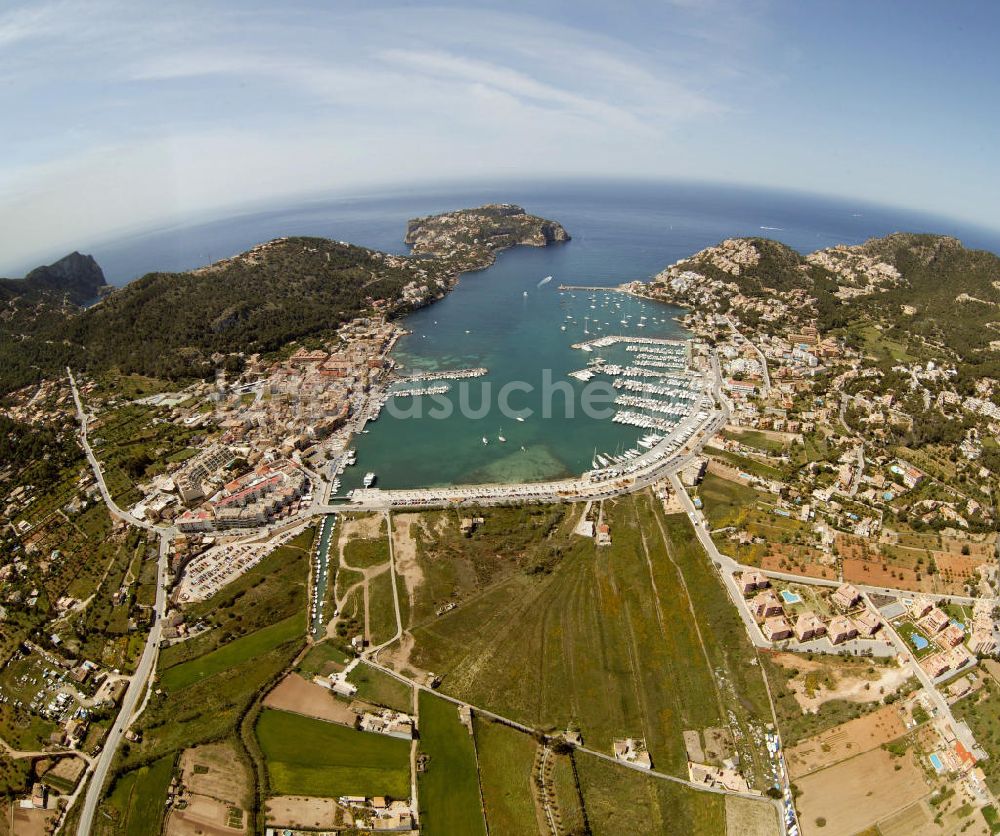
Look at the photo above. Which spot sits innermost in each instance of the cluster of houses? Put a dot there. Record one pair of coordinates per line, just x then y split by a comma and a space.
952, 655
379, 813
251, 500
856, 620
387, 722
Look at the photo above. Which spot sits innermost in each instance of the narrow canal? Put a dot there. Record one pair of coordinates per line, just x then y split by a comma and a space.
322, 574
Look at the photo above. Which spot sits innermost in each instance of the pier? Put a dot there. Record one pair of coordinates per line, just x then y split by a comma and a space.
446, 374
589, 288
417, 391
612, 339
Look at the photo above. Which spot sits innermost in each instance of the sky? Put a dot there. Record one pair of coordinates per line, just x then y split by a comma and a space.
121, 115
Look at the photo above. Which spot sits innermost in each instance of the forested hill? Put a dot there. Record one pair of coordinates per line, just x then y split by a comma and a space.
949, 294
184, 325
925, 290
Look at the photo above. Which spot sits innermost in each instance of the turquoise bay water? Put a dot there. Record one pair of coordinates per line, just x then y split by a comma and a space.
621, 232
488, 321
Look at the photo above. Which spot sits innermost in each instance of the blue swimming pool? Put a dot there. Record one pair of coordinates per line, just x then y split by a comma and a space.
918, 641
791, 597
936, 763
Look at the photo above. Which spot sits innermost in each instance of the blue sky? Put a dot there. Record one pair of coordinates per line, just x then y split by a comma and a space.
123, 114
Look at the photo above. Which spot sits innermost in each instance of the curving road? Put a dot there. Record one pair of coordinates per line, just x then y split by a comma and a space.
147, 662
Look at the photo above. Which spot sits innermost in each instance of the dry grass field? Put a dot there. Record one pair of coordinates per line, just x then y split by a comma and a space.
856, 793
844, 741
301, 696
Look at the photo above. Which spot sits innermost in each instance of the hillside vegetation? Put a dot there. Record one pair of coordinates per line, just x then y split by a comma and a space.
179, 326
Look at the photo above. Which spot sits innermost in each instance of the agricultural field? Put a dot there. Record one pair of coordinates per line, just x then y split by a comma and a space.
844, 799
745, 463
133, 447
315, 758
448, 788
322, 659
768, 442
506, 757
606, 641
726, 502
272, 591
377, 687
364, 553
135, 804
845, 741
215, 792
627, 801
208, 682
234, 653
381, 609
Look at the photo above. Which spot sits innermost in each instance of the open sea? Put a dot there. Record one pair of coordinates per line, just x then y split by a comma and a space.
502, 319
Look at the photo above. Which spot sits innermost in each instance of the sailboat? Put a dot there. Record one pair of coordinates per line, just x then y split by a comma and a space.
500, 437
485, 440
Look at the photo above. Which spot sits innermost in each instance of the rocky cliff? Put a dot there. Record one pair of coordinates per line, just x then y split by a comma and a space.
76, 277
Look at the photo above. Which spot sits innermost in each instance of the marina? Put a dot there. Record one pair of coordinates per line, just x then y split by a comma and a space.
510, 352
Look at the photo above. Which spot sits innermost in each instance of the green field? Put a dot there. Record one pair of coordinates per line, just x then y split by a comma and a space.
380, 688
321, 659
271, 591
738, 681
381, 609
506, 756
207, 683
745, 463
136, 800
232, 654
606, 641
725, 502
757, 439
622, 801
365, 553
311, 757
448, 789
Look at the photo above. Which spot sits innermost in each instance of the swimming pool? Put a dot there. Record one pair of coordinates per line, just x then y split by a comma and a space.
936, 763
918, 641
791, 597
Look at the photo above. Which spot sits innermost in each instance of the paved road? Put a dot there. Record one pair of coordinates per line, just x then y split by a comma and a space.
766, 390
139, 680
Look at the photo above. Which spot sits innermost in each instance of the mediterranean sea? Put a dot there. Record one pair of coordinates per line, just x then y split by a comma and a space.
503, 319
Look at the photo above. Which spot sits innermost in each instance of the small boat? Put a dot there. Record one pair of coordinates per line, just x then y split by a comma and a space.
526, 293
518, 418
562, 327
369, 479
546, 280
500, 437
485, 440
